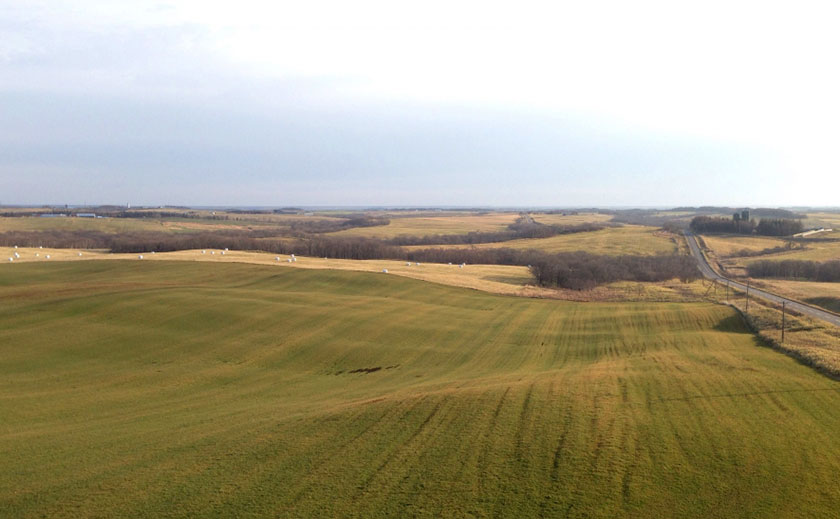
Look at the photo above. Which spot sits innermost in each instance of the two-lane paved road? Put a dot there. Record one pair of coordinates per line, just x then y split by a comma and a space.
793, 305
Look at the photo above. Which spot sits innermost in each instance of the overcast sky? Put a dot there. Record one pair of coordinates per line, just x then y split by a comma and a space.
423, 103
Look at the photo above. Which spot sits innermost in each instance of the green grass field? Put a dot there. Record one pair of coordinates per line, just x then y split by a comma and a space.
178, 389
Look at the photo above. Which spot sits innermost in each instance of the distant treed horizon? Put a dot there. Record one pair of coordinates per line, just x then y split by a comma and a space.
408, 208
380, 104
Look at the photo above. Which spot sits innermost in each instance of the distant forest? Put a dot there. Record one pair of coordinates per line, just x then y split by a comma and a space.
759, 212
738, 225
796, 269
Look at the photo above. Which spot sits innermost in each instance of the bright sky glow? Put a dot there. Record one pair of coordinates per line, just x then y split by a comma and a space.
383, 102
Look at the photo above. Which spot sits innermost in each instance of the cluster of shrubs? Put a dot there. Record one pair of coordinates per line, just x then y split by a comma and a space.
57, 239
718, 224
495, 256
642, 217
574, 270
582, 271
747, 253
796, 269
303, 227
778, 227
333, 247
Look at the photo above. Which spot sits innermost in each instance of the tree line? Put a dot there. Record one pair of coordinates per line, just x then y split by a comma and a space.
573, 270
796, 269
583, 271
759, 212
303, 227
778, 227
739, 225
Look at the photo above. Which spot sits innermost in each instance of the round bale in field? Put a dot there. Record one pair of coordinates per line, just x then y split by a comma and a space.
289, 260
204, 252
48, 256
11, 259
80, 254
140, 257
277, 258
384, 271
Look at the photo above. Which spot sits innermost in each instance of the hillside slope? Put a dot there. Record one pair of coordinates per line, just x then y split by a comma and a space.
175, 389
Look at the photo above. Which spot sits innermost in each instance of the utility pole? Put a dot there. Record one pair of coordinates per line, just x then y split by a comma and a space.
748, 297
783, 322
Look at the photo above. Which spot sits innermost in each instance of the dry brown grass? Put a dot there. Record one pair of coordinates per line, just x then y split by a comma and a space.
426, 225
800, 290
497, 279
615, 241
571, 219
725, 246
811, 341
823, 219
500, 279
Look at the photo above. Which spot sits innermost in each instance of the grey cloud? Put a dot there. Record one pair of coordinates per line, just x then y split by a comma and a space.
368, 153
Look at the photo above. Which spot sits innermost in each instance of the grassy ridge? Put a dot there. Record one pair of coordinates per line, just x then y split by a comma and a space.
179, 389
221, 221
427, 224
615, 241
731, 246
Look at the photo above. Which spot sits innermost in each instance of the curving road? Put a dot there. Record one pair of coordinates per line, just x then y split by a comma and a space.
793, 305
